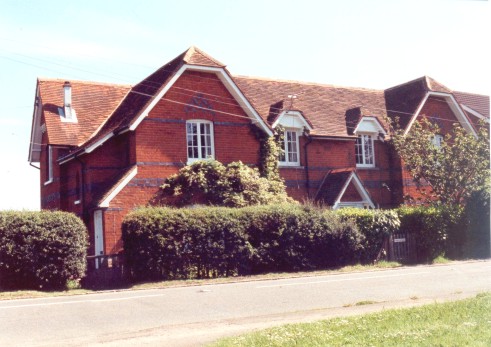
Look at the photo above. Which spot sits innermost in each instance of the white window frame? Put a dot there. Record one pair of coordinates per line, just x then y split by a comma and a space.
286, 161
49, 161
372, 145
437, 140
198, 122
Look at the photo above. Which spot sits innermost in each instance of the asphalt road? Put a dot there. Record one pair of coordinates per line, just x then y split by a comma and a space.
192, 316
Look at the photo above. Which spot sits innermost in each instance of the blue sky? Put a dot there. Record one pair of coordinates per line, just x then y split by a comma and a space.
371, 44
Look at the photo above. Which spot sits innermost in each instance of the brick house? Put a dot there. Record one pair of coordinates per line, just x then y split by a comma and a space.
104, 149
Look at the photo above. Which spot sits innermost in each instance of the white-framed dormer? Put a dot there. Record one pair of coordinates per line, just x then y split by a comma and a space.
367, 131
293, 124
200, 144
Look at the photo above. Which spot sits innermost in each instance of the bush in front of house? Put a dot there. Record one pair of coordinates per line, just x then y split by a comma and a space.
41, 250
163, 243
437, 230
291, 237
167, 243
375, 226
210, 182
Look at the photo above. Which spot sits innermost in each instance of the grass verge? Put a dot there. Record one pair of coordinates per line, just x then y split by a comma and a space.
460, 323
22, 294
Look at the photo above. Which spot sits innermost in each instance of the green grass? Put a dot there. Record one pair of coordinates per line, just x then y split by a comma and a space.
460, 323
74, 289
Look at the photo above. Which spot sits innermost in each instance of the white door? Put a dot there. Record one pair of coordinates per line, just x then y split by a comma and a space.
98, 236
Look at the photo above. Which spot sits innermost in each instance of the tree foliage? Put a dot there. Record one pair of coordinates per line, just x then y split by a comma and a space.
212, 183
452, 170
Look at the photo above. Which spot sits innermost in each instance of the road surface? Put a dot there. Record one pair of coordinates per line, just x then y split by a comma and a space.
193, 316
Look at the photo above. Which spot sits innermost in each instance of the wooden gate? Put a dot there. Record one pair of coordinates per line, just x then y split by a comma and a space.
402, 247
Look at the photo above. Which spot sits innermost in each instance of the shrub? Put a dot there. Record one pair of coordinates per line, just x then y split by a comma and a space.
210, 241
41, 249
209, 182
437, 230
184, 243
375, 226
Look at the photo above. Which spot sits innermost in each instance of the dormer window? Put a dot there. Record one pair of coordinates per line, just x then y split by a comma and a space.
365, 154
290, 155
367, 131
293, 123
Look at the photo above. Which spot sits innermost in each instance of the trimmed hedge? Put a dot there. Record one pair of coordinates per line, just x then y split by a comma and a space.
41, 249
376, 226
162, 243
437, 230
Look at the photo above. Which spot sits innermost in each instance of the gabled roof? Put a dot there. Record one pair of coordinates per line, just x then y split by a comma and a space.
324, 106
94, 102
335, 184
403, 100
104, 110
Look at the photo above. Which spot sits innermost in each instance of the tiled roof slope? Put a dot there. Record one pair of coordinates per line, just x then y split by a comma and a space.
324, 106
479, 103
92, 102
403, 100
332, 185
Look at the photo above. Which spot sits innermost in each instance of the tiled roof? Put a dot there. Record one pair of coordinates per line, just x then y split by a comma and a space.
332, 186
479, 103
112, 184
195, 56
324, 106
331, 110
92, 102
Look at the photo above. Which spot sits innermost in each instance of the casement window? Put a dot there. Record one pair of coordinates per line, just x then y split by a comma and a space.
49, 165
364, 150
290, 155
199, 137
437, 140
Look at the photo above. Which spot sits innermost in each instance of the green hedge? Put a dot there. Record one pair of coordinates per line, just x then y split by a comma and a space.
436, 230
375, 226
209, 242
41, 249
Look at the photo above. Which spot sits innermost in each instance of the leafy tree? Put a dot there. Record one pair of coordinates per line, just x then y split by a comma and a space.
210, 182
453, 167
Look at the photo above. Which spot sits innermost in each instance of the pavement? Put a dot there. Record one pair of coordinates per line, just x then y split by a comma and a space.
196, 315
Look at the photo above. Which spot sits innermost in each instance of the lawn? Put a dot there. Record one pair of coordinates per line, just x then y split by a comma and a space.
460, 323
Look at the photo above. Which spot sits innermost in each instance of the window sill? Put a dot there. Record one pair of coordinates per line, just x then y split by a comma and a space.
367, 168
190, 161
290, 166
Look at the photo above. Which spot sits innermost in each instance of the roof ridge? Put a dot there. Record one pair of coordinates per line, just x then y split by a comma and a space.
193, 50
308, 83
408, 82
49, 79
